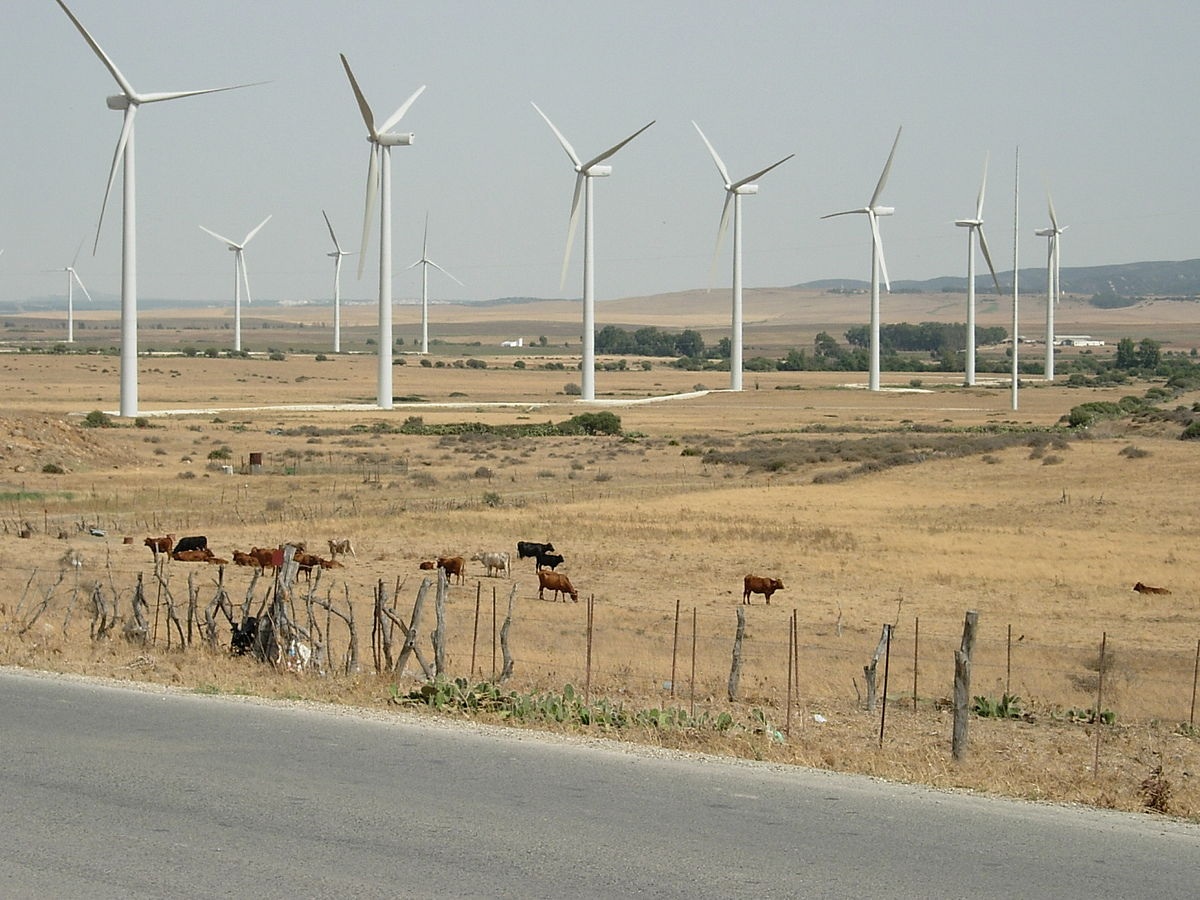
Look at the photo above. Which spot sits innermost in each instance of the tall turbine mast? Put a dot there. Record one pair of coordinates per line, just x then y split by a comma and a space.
425, 262
128, 102
1016, 275
240, 277
974, 226
337, 253
734, 191
585, 172
1052, 234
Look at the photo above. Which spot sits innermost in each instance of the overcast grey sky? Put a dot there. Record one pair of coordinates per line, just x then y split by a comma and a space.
1099, 96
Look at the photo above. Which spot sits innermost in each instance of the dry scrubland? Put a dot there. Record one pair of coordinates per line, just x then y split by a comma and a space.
1044, 534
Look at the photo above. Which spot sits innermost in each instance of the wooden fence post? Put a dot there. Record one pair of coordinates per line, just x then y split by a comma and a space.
735, 670
1195, 678
439, 634
475, 630
887, 657
675, 647
507, 671
916, 657
587, 684
869, 670
1099, 717
787, 727
962, 686
692, 686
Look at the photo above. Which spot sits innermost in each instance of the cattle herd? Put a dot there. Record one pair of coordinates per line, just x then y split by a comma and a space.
495, 563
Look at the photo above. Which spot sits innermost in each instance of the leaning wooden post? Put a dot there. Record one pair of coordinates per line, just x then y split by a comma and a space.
692, 686
796, 655
916, 657
1195, 678
887, 657
1008, 664
493, 635
507, 671
869, 670
1099, 717
962, 686
735, 670
675, 647
475, 630
439, 635
787, 727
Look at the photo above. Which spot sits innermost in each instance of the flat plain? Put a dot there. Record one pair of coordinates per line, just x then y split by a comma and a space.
907, 507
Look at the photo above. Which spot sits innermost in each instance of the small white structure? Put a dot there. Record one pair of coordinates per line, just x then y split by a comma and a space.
519, 342
1077, 340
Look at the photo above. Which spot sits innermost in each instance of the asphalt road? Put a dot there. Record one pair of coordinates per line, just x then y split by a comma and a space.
113, 792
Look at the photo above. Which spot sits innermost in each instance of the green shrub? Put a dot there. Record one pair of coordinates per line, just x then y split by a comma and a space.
1191, 433
98, 419
53, 469
1087, 414
571, 389
220, 453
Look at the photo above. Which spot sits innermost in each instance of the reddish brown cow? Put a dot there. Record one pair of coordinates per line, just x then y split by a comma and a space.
193, 555
1147, 589
428, 565
217, 561
164, 544
244, 559
755, 584
264, 557
557, 582
453, 565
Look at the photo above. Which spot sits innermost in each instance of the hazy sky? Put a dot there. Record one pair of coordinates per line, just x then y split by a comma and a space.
1099, 96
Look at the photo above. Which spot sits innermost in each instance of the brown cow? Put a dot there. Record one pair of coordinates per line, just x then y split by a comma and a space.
557, 582
1147, 589
755, 584
428, 565
217, 561
453, 565
193, 555
244, 559
264, 557
164, 544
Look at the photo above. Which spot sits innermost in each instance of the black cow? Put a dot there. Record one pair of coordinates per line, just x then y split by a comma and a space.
199, 542
532, 549
243, 636
548, 560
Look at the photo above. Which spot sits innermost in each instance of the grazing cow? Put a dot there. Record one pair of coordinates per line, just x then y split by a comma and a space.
309, 561
217, 561
493, 561
341, 546
243, 636
164, 544
453, 565
199, 542
244, 559
264, 557
557, 582
531, 549
1147, 589
549, 560
758, 585
428, 565
193, 555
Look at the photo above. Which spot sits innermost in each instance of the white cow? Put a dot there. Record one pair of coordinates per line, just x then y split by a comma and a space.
493, 562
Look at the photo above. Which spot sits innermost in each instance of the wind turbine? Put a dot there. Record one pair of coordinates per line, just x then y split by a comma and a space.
425, 262
72, 280
734, 191
973, 227
1052, 267
585, 172
128, 102
337, 253
379, 180
873, 211
239, 277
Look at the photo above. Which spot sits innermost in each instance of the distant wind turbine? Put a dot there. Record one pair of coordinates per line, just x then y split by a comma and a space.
379, 181
734, 191
585, 172
425, 262
873, 211
337, 253
975, 226
239, 277
128, 102
72, 280
1053, 258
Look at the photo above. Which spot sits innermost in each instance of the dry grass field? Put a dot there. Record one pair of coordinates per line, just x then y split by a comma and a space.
799, 477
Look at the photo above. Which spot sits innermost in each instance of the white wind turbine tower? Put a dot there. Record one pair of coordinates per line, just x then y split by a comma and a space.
128, 101
873, 211
72, 280
1052, 267
585, 172
379, 181
337, 253
734, 191
974, 226
425, 262
239, 277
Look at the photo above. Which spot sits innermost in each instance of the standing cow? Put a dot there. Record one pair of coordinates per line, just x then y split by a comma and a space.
493, 562
755, 584
557, 582
526, 549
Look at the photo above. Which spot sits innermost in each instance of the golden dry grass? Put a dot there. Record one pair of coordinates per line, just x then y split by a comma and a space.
1046, 540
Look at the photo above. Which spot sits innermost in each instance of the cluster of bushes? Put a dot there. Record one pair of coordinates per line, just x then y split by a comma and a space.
591, 423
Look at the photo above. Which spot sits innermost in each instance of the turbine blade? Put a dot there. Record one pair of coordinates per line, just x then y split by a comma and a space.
175, 95
75, 258
443, 271
363, 106
368, 208
224, 240
886, 169
1053, 218
615, 147
982, 188
566, 145
425, 239
118, 155
879, 249
712, 268
983, 245
333, 237
846, 212
579, 184
720, 165
79, 281
399, 114
759, 174
256, 230
122, 81
241, 263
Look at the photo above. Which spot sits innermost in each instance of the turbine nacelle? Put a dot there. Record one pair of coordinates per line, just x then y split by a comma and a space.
883, 210
392, 140
745, 189
968, 223
117, 101
596, 171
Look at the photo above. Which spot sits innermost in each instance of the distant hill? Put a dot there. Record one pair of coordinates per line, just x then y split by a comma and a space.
1139, 279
